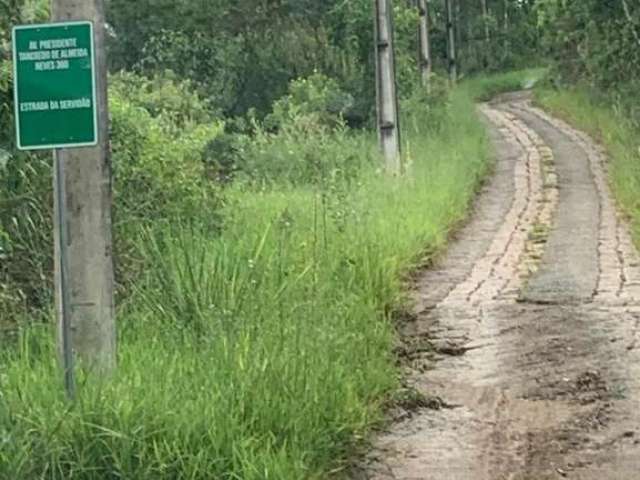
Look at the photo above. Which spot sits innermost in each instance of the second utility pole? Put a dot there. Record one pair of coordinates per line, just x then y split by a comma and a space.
425, 47
387, 98
451, 43
84, 277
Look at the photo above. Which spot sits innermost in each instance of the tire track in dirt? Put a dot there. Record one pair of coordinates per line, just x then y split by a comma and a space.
619, 262
534, 370
497, 275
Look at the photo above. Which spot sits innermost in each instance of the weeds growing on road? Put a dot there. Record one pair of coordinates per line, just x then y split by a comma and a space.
263, 349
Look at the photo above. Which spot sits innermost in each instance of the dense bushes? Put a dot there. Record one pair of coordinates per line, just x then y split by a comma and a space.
159, 129
593, 39
305, 139
241, 55
596, 43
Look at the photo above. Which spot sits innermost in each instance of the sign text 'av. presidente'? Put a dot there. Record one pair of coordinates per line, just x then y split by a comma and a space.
55, 86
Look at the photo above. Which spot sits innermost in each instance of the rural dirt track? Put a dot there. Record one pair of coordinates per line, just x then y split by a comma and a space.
526, 338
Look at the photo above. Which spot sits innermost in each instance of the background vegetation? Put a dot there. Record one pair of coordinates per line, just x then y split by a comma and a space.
246, 90
260, 251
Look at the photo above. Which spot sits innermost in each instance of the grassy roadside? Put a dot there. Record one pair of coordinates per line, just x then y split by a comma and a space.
261, 352
615, 132
485, 87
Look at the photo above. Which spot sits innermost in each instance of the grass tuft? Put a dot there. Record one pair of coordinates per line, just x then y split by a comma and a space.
485, 87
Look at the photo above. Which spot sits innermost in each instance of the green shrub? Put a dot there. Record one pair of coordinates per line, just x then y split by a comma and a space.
158, 139
159, 129
150, 156
26, 238
305, 152
426, 109
305, 139
318, 97
212, 62
163, 96
224, 155
25, 192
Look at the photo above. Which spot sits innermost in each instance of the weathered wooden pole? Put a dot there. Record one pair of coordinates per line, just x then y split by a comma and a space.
451, 43
84, 275
506, 29
387, 99
425, 43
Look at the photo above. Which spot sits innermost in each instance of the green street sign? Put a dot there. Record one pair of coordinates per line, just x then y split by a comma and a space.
55, 86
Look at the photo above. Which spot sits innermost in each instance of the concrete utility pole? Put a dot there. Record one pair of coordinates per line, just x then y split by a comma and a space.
487, 35
457, 27
425, 43
485, 17
506, 28
451, 43
83, 239
387, 98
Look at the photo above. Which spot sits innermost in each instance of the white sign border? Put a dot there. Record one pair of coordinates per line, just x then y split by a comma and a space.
15, 85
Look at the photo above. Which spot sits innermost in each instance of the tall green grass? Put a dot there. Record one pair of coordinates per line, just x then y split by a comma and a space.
485, 87
258, 353
616, 132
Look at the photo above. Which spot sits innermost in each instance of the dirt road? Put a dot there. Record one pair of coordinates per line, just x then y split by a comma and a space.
532, 322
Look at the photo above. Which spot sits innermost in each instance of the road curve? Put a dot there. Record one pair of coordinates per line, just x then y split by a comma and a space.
532, 322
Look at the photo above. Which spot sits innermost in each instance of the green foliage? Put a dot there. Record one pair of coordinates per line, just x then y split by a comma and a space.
244, 54
405, 20
426, 110
164, 96
597, 41
317, 96
25, 186
241, 54
224, 156
506, 38
259, 351
305, 139
212, 64
159, 129
25, 234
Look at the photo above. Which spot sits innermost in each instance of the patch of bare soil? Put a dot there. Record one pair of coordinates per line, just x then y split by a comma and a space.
524, 357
